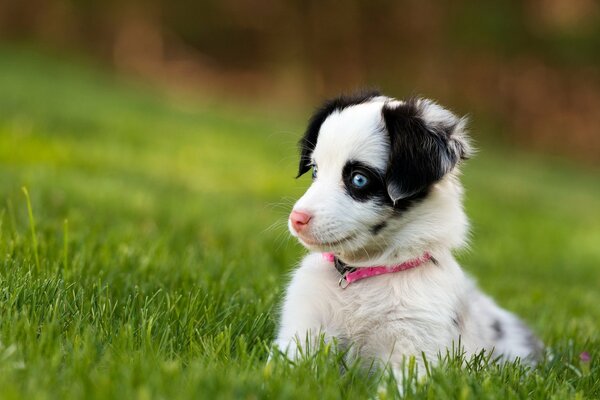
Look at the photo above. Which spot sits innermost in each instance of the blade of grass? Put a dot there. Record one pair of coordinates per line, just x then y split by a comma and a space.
65, 243
32, 225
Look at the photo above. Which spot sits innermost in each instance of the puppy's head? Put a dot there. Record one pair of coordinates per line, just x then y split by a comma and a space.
374, 160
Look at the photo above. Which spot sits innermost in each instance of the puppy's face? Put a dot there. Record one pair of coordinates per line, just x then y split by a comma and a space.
372, 159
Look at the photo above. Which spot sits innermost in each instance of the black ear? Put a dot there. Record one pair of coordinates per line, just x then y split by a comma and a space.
426, 142
309, 140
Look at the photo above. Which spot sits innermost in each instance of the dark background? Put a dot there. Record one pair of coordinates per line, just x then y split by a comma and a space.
527, 70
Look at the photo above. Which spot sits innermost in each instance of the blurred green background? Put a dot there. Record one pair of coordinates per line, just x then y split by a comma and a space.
157, 142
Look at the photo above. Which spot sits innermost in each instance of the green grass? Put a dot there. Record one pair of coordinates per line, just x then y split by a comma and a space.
159, 251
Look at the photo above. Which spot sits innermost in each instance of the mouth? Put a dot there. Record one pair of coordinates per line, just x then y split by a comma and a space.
332, 243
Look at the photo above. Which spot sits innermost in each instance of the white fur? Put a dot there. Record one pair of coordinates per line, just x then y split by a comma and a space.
388, 317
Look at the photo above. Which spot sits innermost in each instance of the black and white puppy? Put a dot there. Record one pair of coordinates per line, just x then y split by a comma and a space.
385, 208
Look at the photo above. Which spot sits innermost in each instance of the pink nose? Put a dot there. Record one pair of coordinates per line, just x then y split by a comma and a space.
299, 220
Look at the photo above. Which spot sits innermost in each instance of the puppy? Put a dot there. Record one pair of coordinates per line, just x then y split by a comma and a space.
380, 220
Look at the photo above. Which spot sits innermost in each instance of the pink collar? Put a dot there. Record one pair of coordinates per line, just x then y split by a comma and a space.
352, 274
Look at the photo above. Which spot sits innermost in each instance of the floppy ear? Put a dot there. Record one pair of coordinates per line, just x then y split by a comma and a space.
426, 142
309, 140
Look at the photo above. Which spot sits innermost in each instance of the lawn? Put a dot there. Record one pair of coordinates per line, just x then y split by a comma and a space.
160, 251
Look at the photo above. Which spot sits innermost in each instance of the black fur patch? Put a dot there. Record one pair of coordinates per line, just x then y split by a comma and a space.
309, 140
375, 229
420, 153
497, 327
402, 205
457, 321
375, 188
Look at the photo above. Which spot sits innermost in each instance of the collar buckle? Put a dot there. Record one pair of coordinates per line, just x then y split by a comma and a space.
344, 270
343, 282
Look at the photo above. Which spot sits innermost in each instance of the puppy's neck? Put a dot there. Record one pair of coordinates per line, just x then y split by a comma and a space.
395, 257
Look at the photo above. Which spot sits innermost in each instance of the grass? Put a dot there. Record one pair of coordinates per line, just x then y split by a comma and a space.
159, 252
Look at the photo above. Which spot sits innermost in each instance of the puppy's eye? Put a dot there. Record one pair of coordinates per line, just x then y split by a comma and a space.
314, 172
359, 180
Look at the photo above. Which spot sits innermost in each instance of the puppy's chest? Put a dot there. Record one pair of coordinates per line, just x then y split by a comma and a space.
384, 313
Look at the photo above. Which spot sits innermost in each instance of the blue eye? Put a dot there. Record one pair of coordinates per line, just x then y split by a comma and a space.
314, 172
359, 180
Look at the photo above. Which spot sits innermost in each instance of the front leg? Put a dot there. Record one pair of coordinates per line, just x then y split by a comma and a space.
307, 311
